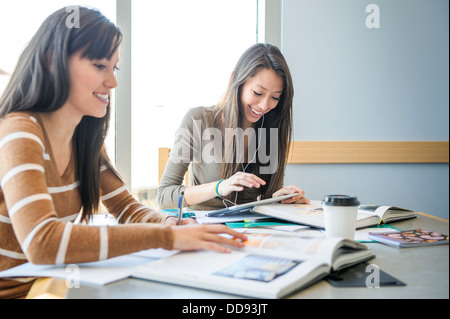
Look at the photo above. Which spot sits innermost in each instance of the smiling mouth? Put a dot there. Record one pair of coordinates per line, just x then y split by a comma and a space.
103, 97
256, 112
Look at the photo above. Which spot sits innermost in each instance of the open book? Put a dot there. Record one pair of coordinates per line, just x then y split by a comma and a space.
312, 215
270, 266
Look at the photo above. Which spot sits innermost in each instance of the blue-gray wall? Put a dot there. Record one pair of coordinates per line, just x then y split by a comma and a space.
353, 83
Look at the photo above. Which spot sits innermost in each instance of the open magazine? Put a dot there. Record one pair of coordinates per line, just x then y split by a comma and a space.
312, 215
270, 265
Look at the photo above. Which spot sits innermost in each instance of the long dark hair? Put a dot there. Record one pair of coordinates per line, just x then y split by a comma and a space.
41, 83
229, 113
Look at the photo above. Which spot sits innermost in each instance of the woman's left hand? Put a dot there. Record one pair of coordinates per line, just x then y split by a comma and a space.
297, 199
173, 221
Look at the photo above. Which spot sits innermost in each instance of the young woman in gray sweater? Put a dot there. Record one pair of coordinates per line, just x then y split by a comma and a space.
236, 151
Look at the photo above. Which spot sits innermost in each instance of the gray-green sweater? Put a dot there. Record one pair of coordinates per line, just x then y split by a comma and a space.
193, 149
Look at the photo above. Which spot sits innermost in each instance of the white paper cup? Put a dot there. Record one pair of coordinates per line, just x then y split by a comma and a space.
340, 213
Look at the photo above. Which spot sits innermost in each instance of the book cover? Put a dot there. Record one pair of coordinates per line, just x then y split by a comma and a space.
410, 238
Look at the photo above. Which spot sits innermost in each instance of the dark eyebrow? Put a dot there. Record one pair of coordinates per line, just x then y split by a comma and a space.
262, 87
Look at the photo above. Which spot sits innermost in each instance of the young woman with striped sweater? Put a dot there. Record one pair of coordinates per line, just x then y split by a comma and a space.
54, 116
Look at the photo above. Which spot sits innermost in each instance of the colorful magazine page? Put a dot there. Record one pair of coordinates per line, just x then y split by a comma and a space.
410, 238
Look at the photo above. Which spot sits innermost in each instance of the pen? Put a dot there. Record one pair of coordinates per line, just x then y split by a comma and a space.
180, 208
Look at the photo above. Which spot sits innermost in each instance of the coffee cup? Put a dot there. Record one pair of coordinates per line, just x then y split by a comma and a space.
340, 213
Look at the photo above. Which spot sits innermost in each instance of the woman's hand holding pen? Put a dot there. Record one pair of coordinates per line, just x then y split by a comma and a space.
238, 181
298, 199
209, 237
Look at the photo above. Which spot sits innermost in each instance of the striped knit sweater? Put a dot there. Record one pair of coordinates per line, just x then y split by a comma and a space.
38, 208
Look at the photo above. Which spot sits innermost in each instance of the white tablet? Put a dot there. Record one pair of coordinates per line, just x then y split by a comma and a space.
247, 206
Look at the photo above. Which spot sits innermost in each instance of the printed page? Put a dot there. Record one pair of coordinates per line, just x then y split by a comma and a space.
303, 247
307, 214
240, 272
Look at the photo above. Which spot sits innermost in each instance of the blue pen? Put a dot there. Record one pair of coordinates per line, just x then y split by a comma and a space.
180, 208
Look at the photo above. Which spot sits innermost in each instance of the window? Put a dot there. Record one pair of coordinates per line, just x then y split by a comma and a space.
183, 54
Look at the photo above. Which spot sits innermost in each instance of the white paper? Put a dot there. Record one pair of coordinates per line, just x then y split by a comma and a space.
97, 273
